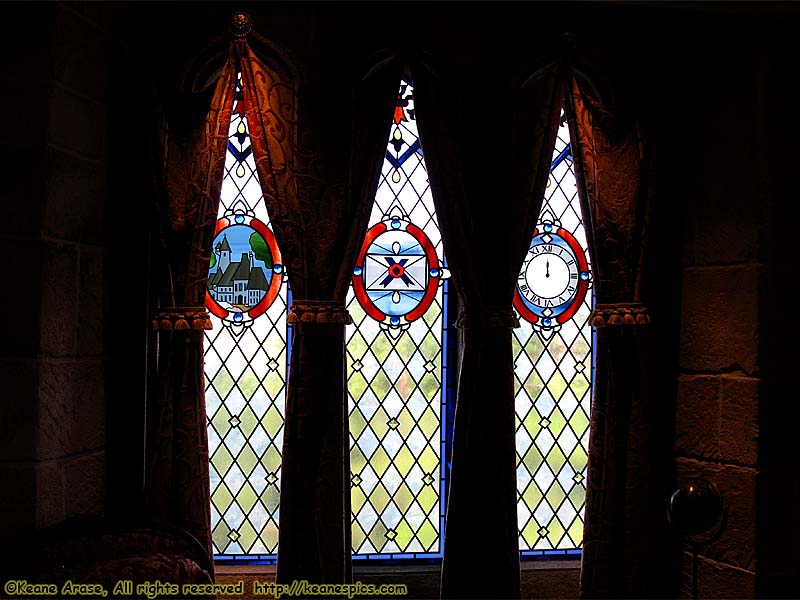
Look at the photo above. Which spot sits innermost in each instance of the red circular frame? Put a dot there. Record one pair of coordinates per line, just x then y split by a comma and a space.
580, 293
433, 263
275, 281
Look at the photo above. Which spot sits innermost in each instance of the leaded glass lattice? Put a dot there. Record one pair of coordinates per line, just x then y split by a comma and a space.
553, 378
245, 361
395, 363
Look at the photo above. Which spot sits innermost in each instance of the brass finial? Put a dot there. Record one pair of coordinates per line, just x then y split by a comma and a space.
240, 24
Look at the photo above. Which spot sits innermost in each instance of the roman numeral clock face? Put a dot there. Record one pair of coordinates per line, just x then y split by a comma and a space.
554, 278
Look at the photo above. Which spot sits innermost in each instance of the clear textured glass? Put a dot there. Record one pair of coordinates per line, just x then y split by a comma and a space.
245, 373
394, 366
553, 378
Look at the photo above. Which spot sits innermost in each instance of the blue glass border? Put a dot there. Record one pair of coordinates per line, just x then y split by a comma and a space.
447, 416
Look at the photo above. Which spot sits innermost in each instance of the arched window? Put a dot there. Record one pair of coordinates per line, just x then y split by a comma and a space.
246, 358
553, 368
395, 362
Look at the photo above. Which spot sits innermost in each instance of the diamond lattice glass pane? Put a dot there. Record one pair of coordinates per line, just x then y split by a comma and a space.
245, 362
394, 358
553, 370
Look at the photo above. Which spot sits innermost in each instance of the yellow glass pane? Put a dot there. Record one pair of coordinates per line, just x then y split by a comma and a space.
271, 459
427, 535
403, 461
429, 460
272, 421
222, 498
429, 424
247, 460
356, 386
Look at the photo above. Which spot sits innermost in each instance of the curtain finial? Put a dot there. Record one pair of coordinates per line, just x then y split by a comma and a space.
240, 24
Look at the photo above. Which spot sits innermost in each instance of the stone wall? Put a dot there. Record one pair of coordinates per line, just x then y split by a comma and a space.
53, 147
738, 327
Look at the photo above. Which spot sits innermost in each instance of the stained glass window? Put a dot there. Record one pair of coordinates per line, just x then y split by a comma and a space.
553, 368
395, 363
245, 360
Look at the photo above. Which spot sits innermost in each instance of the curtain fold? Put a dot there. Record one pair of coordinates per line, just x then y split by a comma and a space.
194, 140
488, 180
614, 177
319, 171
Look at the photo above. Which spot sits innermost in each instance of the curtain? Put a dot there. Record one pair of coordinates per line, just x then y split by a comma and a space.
488, 163
194, 136
319, 175
614, 176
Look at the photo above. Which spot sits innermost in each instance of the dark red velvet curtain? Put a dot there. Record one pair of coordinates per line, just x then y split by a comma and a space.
613, 168
194, 140
488, 182
319, 176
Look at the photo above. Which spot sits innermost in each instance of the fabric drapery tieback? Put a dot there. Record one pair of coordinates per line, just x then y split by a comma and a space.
182, 318
319, 311
488, 317
632, 313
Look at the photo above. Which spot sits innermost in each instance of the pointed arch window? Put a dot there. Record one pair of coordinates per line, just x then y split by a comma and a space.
396, 364
246, 359
395, 360
553, 368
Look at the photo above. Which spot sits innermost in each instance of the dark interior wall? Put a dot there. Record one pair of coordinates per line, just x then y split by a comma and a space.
54, 196
78, 212
737, 327
778, 482
718, 401
710, 89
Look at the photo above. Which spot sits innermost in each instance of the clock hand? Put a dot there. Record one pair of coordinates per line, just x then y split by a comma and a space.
547, 267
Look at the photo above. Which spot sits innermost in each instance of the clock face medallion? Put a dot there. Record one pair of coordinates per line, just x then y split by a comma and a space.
554, 277
551, 275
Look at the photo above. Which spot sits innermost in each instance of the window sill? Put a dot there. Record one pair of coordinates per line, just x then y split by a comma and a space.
538, 578
269, 570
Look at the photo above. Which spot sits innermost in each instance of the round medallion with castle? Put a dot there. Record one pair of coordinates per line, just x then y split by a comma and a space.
245, 272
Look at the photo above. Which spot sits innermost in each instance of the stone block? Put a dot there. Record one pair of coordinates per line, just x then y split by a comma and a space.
74, 206
719, 328
697, 428
77, 124
18, 409
739, 407
85, 484
71, 408
717, 580
737, 485
91, 302
562, 582
49, 498
59, 297
725, 216
81, 58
